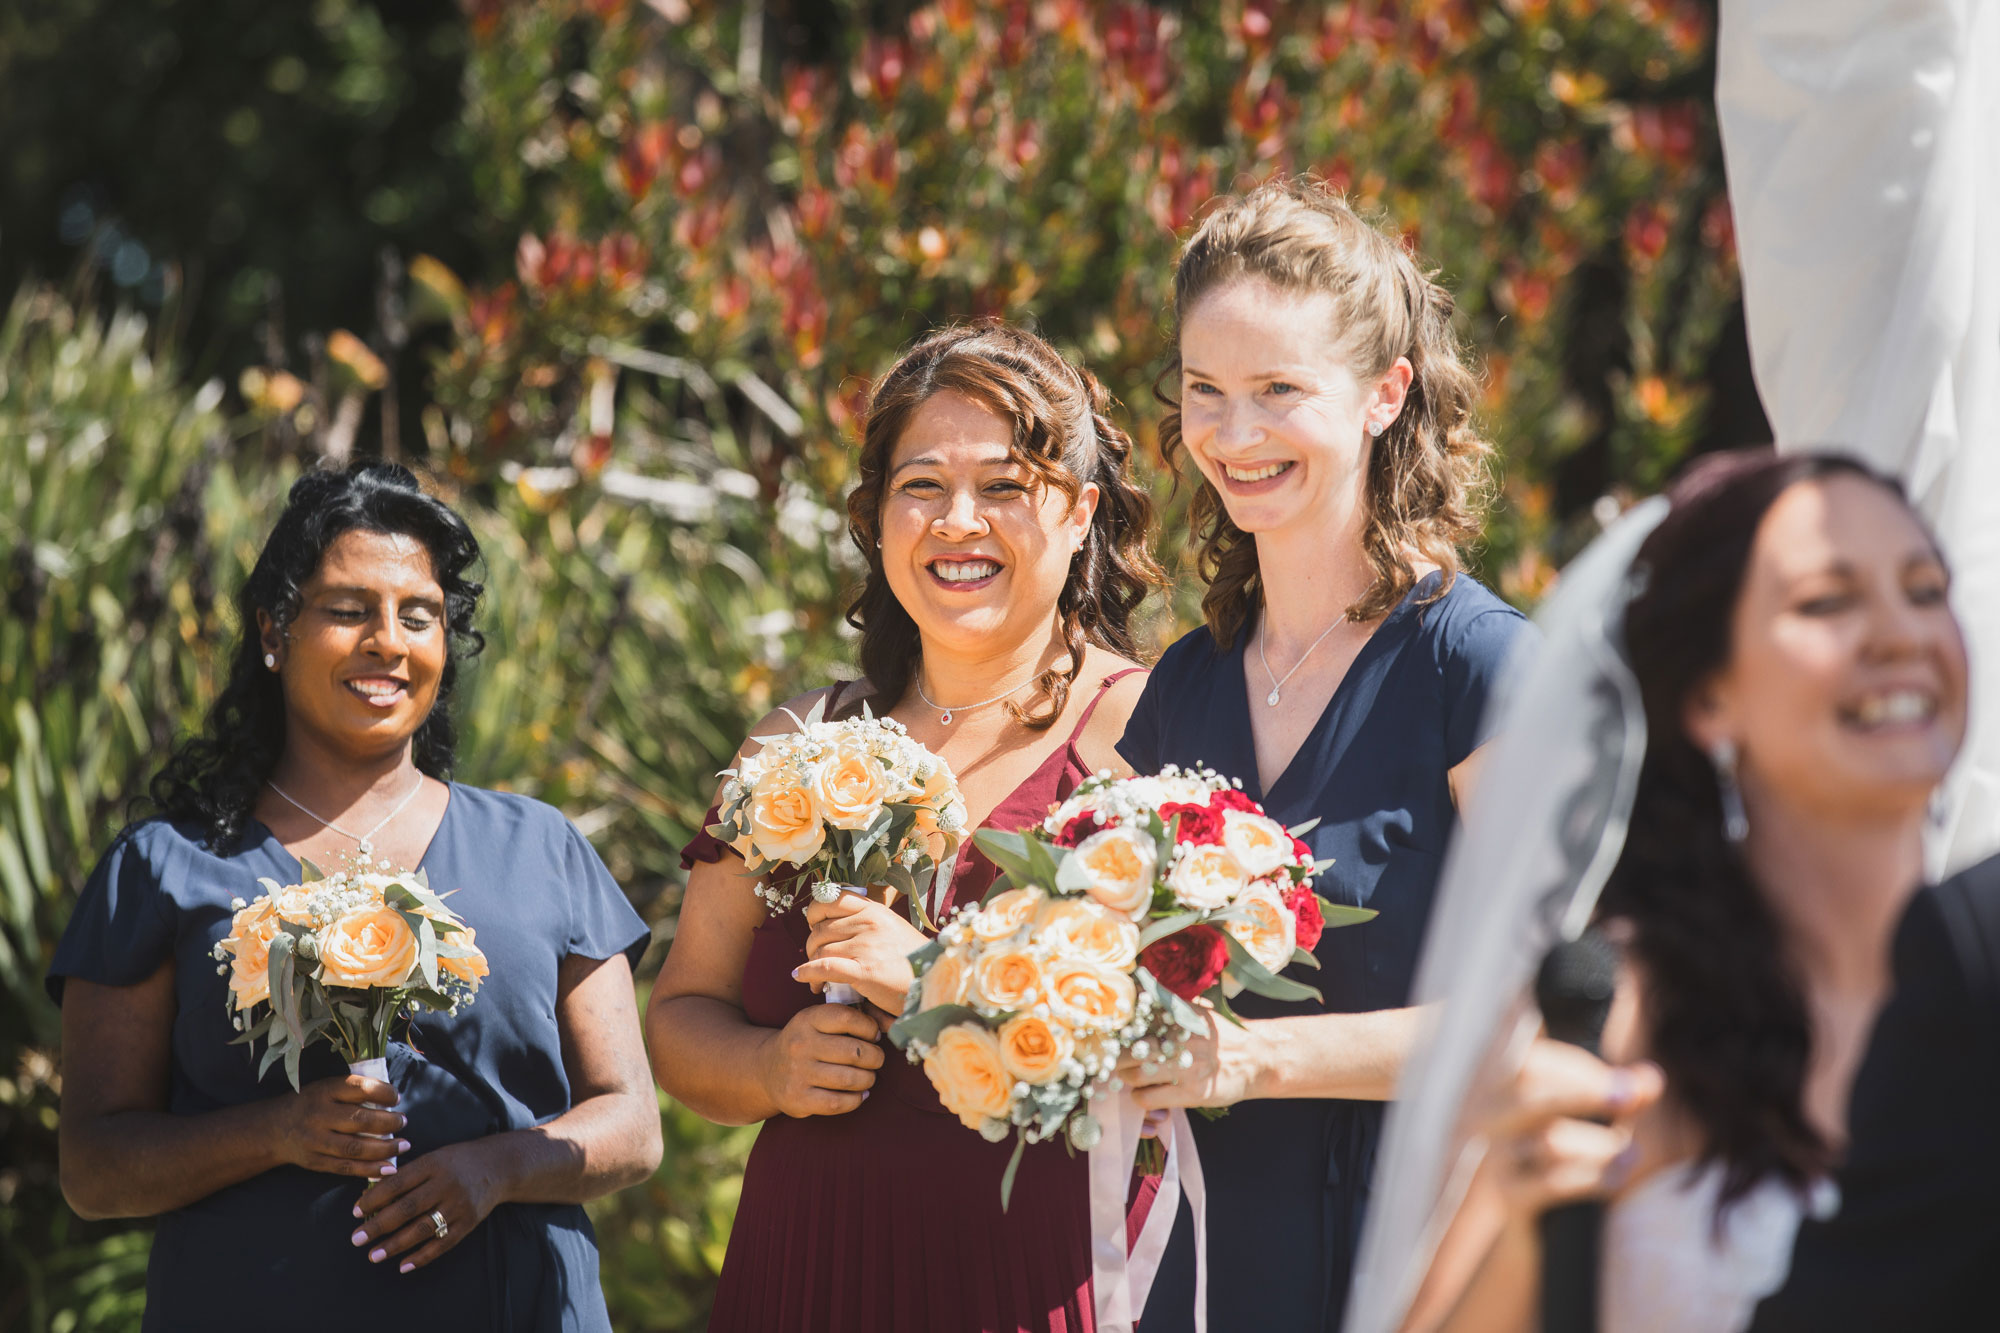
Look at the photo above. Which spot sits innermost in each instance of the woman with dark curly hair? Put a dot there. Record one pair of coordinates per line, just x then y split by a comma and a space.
1804, 683
1341, 676
1005, 542
333, 738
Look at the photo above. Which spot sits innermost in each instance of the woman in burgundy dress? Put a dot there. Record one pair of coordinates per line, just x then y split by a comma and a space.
1006, 549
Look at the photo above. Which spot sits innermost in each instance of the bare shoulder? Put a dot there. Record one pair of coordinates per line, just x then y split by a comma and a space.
1098, 743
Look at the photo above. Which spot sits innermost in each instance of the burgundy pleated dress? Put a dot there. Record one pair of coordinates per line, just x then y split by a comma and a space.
887, 1219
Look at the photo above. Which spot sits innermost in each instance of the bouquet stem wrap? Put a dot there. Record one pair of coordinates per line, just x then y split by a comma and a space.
377, 1068
1123, 1282
839, 992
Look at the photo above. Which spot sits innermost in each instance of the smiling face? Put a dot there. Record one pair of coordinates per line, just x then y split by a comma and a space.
1845, 692
362, 661
1272, 413
974, 546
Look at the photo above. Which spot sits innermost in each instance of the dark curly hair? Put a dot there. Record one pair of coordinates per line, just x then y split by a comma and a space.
1726, 1007
1427, 481
1064, 435
213, 778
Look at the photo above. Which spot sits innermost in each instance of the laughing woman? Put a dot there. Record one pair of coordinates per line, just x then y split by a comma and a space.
335, 734
1341, 676
1006, 550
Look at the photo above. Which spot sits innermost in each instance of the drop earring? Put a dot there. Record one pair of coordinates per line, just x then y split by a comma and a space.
1735, 821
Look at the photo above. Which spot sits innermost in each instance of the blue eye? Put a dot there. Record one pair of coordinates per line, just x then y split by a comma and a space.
1207, 390
1281, 387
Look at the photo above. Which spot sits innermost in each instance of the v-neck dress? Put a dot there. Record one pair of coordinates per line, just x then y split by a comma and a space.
535, 892
1288, 1179
887, 1219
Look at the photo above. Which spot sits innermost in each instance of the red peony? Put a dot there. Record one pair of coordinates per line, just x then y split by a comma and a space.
1079, 827
1229, 798
1189, 961
1302, 853
1199, 823
1304, 904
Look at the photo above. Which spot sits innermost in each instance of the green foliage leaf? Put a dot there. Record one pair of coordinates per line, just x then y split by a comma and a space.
926, 1026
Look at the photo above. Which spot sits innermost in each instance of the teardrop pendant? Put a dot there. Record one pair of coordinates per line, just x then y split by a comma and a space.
945, 719
1272, 698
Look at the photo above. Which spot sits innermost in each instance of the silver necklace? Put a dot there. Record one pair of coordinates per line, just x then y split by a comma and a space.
944, 714
1277, 681
364, 839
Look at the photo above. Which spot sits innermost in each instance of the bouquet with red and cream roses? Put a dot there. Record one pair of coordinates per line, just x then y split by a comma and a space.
342, 958
1134, 897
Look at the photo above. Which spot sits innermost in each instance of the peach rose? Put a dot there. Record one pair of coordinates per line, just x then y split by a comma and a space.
939, 814
249, 946
971, 1080
1117, 866
1090, 994
1270, 932
367, 948
1258, 844
1008, 978
1033, 1049
850, 785
784, 819
1080, 928
293, 904
1206, 877
1007, 913
471, 969
945, 981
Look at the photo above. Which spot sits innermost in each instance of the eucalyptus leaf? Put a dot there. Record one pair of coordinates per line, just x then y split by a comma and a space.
310, 873
926, 1026
1009, 851
1256, 977
1165, 926
928, 954
1300, 830
427, 957
1338, 916
1013, 1165
1304, 958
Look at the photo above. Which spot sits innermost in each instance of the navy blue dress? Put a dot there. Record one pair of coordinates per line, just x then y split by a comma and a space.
535, 892
1288, 1179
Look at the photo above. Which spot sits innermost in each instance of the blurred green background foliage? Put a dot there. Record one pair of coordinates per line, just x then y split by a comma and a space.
616, 274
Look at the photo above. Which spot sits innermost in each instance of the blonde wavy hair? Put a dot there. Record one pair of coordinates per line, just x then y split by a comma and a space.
1428, 477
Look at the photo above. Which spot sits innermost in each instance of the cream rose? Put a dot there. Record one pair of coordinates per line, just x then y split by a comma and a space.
1007, 913
971, 1080
367, 948
1080, 928
945, 981
1115, 867
1033, 1049
784, 819
293, 904
1258, 844
1090, 994
1270, 933
849, 784
1008, 978
1206, 878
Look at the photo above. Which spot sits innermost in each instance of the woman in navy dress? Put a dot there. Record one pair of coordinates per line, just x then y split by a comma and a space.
335, 730
1340, 676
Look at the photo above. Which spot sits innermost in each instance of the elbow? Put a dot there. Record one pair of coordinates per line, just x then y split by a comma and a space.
85, 1193
651, 1144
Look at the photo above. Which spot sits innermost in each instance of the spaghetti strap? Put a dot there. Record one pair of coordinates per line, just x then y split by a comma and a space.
1103, 689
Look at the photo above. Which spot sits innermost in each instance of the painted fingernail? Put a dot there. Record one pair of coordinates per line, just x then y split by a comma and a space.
407, 1268
1621, 1166
357, 1210
401, 1121
402, 1145
377, 1256
359, 1237
864, 1095
795, 974
388, 1168
1619, 1095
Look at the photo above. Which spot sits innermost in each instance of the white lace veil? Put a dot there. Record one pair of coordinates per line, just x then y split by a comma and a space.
1542, 832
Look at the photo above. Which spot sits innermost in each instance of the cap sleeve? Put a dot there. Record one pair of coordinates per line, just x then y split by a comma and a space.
123, 926
705, 846
601, 920
1140, 745
1474, 657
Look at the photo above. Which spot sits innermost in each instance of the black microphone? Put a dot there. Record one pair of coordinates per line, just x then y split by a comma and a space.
1574, 989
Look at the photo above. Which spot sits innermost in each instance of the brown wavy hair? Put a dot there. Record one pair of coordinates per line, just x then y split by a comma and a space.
1427, 481
1064, 435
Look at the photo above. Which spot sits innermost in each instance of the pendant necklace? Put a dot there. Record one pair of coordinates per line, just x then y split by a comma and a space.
944, 714
364, 839
1277, 681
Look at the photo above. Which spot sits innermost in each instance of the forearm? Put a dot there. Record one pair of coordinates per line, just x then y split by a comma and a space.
144, 1163
1353, 1056
599, 1146
707, 1056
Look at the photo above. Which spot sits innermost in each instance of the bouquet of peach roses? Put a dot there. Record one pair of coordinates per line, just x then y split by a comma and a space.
1134, 897
342, 958
853, 805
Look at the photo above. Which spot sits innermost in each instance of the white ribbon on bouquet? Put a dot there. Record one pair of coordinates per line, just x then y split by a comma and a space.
377, 1068
1121, 1281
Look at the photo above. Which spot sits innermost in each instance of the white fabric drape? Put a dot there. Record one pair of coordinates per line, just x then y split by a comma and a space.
1862, 140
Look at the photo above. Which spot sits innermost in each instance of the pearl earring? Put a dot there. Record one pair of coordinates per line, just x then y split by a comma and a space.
1375, 430
271, 661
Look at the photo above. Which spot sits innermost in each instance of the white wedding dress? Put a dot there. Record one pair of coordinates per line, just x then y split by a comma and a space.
1668, 1267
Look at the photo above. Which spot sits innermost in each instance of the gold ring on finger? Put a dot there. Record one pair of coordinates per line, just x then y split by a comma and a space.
437, 1220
